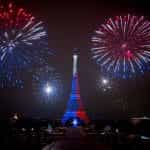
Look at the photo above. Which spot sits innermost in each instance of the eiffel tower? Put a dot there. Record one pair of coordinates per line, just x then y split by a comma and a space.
75, 109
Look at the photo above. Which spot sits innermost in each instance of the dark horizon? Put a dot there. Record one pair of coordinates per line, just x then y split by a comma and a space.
70, 25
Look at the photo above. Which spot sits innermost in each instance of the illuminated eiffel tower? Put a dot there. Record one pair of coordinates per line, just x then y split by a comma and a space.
75, 110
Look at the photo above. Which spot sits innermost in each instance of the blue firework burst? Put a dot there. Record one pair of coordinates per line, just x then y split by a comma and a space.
23, 41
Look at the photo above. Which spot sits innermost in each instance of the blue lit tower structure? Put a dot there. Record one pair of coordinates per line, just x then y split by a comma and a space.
75, 110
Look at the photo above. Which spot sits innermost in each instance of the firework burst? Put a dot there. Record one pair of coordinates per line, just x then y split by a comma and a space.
121, 46
23, 40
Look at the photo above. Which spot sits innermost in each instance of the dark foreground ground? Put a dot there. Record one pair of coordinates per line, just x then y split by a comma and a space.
68, 138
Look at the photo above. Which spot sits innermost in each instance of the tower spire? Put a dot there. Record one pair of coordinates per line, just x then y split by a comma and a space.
75, 63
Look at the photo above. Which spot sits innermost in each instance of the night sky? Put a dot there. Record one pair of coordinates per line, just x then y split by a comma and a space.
71, 25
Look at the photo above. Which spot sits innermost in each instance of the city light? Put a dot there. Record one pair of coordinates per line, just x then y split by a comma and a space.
75, 122
48, 89
15, 117
105, 81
